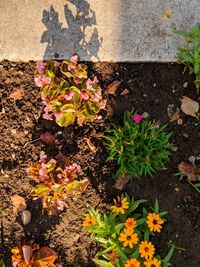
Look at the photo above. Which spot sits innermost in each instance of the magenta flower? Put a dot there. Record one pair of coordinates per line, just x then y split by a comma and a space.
42, 80
69, 95
137, 118
41, 66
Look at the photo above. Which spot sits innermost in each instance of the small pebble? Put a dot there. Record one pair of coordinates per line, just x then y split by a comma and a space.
26, 217
192, 159
185, 135
175, 148
59, 132
179, 121
185, 85
145, 115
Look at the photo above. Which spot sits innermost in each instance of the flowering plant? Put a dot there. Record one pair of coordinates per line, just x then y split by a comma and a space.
31, 255
140, 147
67, 93
124, 234
56, 180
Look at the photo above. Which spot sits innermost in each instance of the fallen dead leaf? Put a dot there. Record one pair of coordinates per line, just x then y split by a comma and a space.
189, 106
174, 115
191, 170
121, 182
125, 92
112, 88
17, 93
49, 138
168, 14
19, 203
91, 146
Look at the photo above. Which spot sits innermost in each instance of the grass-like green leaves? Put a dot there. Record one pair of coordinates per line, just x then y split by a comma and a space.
139, 148
190, 55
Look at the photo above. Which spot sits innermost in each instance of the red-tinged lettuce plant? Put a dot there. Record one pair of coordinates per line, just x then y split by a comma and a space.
124, 232
56, 180
67, 93
31, 255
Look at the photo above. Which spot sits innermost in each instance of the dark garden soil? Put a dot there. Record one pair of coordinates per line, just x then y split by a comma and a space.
152, 87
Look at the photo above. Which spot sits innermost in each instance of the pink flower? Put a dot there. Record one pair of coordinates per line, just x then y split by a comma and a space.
42, 80
15, 264
90, 83
60, 176
69, 95
84, 96
76, 82
58, 115
74, 59
41, 66
137, 118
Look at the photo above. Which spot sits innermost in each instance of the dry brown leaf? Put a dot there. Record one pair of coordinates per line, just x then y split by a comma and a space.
121, 182
49, 138
189, 106
174, 115
45, 257
191, 170
19, 203
112, 88
168, 14
27, 253
125, 92
17, 93
91, 146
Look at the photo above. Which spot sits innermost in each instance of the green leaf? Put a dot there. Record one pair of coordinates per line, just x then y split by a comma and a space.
169, 255
156, 206
2, 264
103, 263
141, 221
135, 205
67, 118
183, 33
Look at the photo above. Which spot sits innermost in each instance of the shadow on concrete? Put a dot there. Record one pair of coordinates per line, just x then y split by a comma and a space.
63, 42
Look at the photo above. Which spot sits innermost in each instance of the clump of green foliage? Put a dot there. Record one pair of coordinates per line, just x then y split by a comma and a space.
67, 93
124, 234
140, 147
190, 55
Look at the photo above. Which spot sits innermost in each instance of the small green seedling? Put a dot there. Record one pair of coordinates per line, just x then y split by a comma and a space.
190, 55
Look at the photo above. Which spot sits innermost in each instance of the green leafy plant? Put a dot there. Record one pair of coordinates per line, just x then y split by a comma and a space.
2, 264
124, 232
56, 180
140, 147
67, 93
190, 55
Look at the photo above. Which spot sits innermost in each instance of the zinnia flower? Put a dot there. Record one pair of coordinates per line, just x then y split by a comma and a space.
137, 118
89, 221
130, 223
154, 222
121, 205
128, 237
152, 263
132, 263
146, 250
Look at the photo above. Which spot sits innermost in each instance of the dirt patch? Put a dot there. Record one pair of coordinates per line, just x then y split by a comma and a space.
152, 87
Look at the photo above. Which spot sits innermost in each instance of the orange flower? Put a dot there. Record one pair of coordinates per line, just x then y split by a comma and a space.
121, 205
146, 250
130, 223
132, 263
113, 256
152, 263
89, 221
128, 237
154, 222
